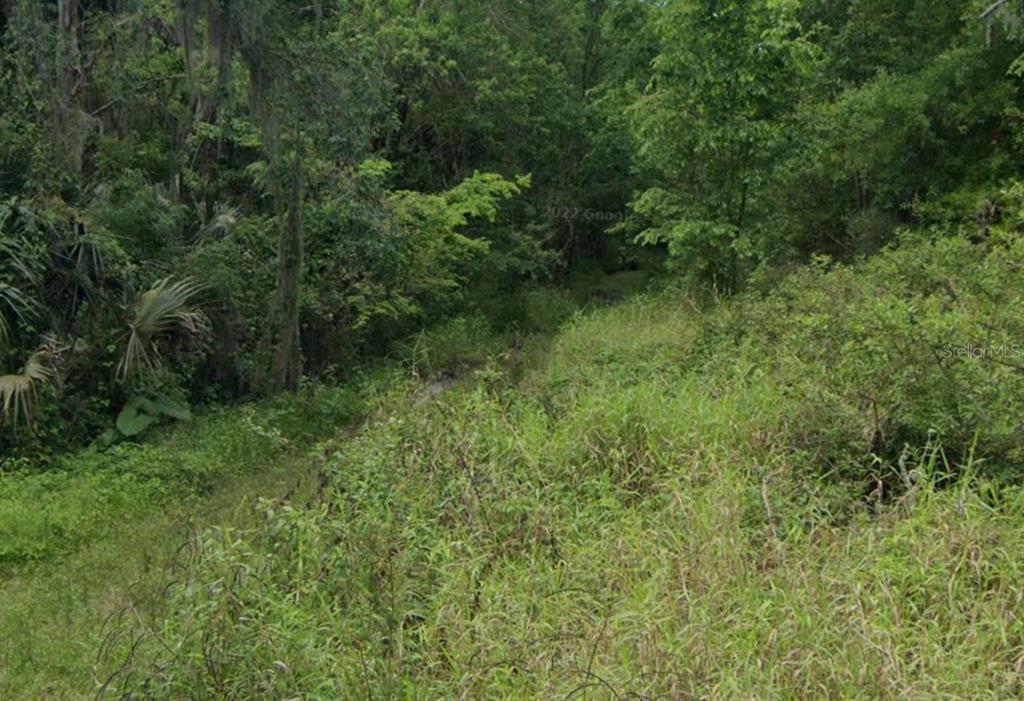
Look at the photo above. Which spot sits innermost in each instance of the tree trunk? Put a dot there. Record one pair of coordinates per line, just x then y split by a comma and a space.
69, 124
5, 14
287, 369
220, 52
591, 45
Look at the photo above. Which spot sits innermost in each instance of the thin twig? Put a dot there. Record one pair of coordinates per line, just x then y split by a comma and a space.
768, 508
993, 8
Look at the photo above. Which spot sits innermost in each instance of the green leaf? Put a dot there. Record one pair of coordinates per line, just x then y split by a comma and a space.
138, 415
142, 412
166, 406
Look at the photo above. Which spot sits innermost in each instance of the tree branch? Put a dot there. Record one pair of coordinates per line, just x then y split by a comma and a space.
993, 8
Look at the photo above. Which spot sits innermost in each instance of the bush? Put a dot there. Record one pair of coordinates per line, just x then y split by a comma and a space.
918, 344
451, 346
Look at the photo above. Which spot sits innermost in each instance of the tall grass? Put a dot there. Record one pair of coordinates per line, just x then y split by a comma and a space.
783, 496
87, 542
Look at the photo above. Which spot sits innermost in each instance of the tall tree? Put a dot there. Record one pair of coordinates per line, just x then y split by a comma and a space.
69, 120
316, 103
712, 124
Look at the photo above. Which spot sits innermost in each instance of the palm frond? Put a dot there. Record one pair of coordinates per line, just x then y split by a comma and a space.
163, 309
13, 303
14, 255
20, 267
79, 263
224, 217
19, 393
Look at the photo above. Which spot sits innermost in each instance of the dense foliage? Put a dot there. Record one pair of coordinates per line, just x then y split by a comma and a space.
785, 496
205, 200
368, 242
775, 130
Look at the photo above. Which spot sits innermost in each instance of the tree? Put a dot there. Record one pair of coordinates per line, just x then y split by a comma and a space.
69, 122
711, 126
314, 103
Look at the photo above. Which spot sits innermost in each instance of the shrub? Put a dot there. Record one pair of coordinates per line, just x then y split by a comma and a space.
451, 346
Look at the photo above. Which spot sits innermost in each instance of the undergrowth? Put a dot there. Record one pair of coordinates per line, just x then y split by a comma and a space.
90, 537
800, 493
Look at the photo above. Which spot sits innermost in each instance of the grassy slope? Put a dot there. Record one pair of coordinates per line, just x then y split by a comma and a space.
668, 503
93, 539
793, 495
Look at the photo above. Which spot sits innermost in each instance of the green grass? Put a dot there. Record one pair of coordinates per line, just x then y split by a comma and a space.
780, 496
667, 501
91, 541
57, 613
